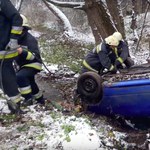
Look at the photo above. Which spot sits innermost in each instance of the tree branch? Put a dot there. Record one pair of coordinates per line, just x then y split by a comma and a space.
59, 14
76, 5
18, 5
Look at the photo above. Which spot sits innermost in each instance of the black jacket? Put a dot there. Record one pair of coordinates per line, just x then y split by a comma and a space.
104, 56
10, 23
31, 53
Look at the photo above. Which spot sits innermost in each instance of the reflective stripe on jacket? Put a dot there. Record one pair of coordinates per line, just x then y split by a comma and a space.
89, 67
10, 23
103, 56
37, 65
30, 57
8, 54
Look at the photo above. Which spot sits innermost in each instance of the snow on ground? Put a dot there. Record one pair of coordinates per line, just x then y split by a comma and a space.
52, 130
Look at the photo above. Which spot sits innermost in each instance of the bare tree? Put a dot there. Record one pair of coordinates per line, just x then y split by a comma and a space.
117, 16
134, 18
101, 25
17, 4
99, 19
67, 26
140, 37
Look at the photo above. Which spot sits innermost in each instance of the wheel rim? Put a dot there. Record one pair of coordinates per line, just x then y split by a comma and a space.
90, 85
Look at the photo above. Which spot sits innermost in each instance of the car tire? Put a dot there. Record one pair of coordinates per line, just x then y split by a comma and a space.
89, 84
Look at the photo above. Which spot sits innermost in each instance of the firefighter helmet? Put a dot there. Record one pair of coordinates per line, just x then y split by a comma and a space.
118, 36
25, 21
111, 40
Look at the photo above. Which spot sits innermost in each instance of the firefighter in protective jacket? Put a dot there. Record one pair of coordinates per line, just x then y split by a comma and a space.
30, 64
110, 54
10, 32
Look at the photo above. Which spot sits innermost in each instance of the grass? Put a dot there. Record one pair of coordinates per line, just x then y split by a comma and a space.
68, 56
21, 129
8, 117
68, 128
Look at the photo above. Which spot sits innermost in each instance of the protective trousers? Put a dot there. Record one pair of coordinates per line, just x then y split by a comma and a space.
9, 81
27, 84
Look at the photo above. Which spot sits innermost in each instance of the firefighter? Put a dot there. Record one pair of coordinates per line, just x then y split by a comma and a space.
30, 63
106, 55
123, 46
10, 32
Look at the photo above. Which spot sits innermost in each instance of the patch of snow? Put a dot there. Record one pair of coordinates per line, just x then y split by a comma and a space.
35, 33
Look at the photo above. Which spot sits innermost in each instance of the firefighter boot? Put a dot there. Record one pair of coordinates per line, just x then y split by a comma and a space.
41, 100
14, 108
27, 102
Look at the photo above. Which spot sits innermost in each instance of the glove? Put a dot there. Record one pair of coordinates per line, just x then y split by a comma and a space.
118, 72
12, 45
114, 71
119, 65
123, 65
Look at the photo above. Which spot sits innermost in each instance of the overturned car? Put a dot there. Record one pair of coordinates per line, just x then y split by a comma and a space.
126, 94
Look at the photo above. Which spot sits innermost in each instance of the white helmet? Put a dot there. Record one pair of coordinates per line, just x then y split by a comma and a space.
25, 21
111, 40
118, 36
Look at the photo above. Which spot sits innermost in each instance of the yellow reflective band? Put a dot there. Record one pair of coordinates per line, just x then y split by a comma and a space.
89, 67
111, 68
97, 49
29, 56
120, 60
33, 66
38, 96
25, 92
9, 55
116, 51
17, 100
0, 9
16, 32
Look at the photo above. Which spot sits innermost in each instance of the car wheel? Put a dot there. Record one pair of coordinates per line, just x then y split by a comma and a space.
89, 84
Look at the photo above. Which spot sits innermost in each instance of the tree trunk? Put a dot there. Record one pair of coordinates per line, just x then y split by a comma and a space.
134, 14
116, 13
144, 5
99, 20
135, 6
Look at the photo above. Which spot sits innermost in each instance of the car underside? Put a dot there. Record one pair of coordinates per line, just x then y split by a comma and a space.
126, 94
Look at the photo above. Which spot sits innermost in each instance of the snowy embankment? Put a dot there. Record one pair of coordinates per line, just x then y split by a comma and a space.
51, 130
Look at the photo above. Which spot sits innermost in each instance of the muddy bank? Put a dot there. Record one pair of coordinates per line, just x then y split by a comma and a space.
49, 89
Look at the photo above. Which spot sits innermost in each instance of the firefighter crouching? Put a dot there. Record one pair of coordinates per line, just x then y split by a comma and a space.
30, 63
111, 54
10, 32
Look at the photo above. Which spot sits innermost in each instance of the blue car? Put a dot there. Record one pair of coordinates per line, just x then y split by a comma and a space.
126, 94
